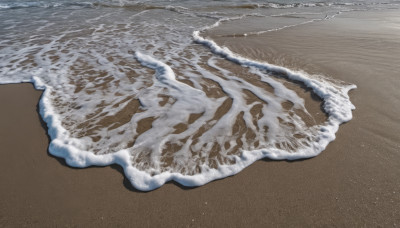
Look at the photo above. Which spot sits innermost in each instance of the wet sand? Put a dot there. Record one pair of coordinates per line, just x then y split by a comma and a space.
354, 182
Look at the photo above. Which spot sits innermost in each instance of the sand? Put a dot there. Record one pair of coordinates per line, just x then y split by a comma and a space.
354, 182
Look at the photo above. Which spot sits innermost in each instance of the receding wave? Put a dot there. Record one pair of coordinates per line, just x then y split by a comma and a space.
162, 100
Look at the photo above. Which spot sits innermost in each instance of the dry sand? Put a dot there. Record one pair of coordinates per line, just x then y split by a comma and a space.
354, 182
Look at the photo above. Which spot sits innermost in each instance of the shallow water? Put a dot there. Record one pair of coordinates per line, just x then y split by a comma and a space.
141, 85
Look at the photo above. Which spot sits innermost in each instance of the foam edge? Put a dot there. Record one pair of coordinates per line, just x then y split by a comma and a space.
64, 146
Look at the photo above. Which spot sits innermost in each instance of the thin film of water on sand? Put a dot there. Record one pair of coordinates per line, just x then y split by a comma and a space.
134, 84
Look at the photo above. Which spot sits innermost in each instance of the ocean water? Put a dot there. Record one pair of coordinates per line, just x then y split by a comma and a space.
139, 84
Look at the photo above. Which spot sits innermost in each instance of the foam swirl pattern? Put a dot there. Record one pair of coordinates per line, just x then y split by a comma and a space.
139, 86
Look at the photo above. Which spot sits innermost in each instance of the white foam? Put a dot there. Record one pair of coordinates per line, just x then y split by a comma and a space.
162, 58
336, 101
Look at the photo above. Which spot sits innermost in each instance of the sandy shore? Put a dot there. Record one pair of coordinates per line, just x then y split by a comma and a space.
354, 182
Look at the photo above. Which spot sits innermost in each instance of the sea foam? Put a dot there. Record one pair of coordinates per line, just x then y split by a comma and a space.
336, 104
157, 104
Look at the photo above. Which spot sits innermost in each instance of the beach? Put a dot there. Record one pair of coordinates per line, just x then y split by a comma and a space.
354, 182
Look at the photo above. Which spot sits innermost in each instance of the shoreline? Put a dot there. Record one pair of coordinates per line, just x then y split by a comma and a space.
353, 182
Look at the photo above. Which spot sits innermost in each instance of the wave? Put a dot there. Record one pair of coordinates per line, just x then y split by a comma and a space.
19, 5
169, 109
336, 104
137, 5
